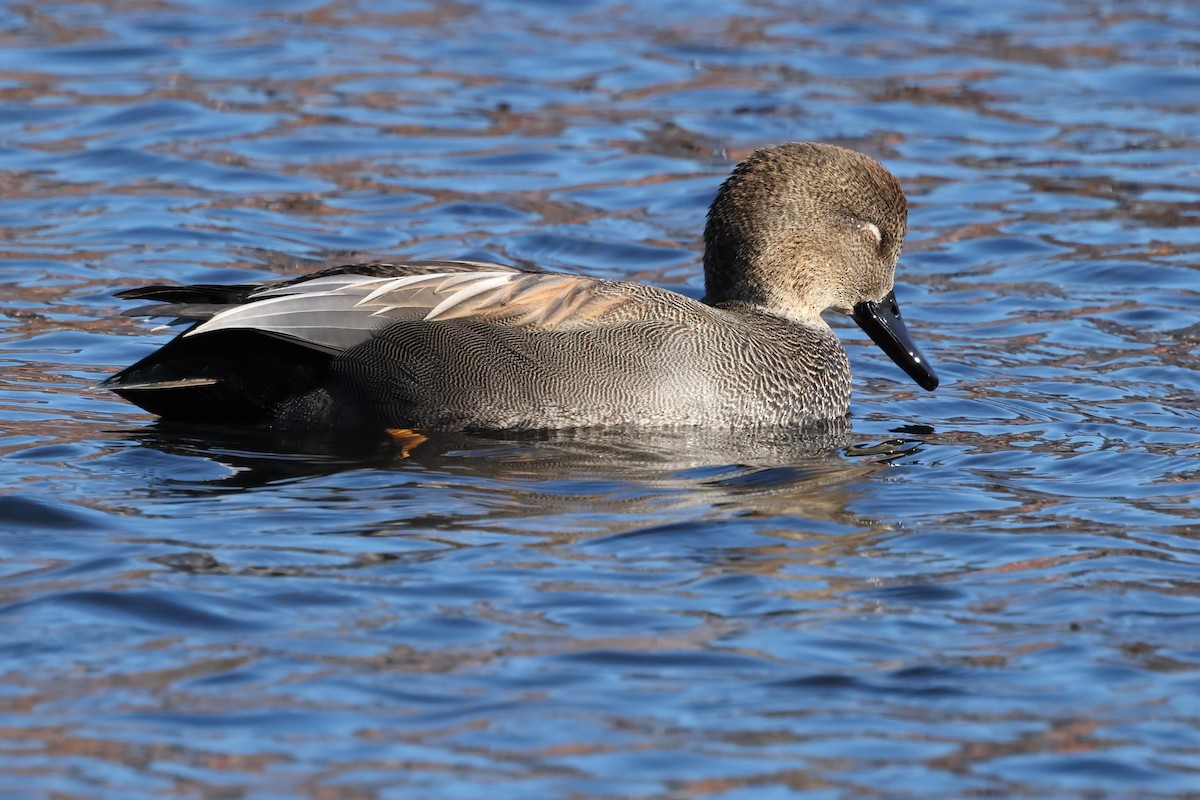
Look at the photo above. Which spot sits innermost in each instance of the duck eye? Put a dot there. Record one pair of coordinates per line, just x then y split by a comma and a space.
870, 228
873, 229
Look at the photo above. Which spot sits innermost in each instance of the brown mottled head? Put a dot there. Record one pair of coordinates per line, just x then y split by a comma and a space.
802, 227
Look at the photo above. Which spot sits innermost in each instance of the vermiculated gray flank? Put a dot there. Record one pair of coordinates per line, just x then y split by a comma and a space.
796, 229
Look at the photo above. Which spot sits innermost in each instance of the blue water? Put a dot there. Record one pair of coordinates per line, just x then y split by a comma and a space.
991, 590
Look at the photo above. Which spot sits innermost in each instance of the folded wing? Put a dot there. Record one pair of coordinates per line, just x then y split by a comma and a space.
334, 312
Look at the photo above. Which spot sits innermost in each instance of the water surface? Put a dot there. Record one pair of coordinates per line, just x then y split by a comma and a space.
990, 590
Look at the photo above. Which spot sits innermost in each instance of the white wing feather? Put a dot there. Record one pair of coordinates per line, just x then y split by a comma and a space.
335, 312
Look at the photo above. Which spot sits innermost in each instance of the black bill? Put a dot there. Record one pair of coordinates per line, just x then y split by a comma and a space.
881, 320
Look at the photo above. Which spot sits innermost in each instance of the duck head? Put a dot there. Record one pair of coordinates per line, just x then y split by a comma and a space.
802, 227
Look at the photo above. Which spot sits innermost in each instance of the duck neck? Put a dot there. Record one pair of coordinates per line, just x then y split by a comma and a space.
798, 316
728, 279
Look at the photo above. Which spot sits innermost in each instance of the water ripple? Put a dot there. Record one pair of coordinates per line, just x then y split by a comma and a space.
988, 590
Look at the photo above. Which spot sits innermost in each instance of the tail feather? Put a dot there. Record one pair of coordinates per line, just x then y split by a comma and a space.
186, 312
186, 303
228, 377
195, 293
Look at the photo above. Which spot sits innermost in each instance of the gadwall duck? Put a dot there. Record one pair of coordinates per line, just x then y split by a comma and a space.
796, 229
